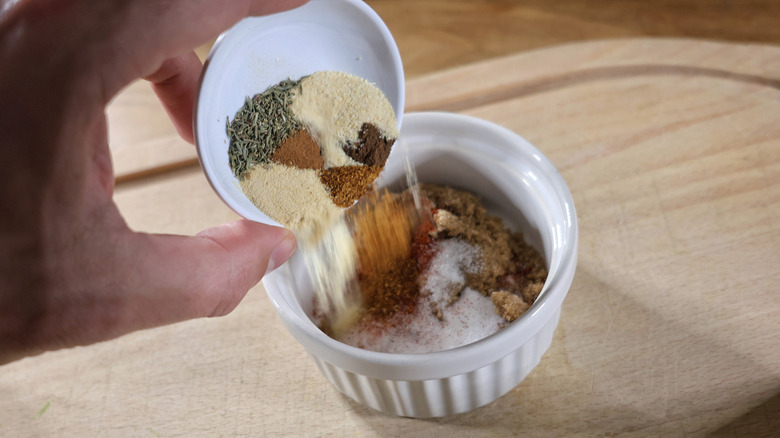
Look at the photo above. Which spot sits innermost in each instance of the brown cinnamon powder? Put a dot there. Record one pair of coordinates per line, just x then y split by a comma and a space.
299, 150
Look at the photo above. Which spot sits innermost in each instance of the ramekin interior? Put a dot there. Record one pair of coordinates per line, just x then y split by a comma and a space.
509, 173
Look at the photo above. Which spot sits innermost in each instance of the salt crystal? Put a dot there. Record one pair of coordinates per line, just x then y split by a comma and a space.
445, 274
469, 319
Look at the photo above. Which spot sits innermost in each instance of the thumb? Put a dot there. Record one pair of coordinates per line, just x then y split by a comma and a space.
205, 275
251, 250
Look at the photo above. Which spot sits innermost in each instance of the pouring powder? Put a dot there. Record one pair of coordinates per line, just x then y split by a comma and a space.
303, 151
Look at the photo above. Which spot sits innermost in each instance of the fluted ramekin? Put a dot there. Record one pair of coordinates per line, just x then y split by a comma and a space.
517, 182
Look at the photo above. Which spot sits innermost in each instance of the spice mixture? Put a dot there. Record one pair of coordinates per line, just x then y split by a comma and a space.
463, 276
305, 149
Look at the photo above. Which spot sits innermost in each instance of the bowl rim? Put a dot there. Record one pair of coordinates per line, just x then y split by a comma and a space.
201, 146
467, 358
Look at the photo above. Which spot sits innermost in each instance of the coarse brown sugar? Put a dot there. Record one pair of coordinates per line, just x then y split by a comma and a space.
299, 150
508, 305
464, 216
346, 184
510, 265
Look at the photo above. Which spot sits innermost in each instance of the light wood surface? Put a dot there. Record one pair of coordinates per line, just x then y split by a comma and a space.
671, 149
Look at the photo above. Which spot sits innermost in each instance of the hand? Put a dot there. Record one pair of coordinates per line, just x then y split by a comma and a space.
71, 271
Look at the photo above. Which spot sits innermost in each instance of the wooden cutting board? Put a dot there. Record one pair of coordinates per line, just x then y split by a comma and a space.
671, 149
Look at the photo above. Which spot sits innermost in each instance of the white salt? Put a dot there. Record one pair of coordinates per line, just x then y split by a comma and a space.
445, 274
469, 319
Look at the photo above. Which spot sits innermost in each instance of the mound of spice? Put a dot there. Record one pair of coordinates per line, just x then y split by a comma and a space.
305, 149
465, 276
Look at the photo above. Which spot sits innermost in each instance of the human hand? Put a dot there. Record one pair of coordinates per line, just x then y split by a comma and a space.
72, 272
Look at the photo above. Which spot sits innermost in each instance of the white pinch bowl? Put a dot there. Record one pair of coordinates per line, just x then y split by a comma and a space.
516, 182
258, 52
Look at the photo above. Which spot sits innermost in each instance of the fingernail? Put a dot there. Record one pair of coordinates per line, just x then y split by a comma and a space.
281, 253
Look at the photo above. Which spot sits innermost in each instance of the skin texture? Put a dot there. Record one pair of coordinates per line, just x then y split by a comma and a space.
71, 271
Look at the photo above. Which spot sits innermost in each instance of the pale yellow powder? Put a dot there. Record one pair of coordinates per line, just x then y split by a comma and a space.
330, 256
293, 197
334, 106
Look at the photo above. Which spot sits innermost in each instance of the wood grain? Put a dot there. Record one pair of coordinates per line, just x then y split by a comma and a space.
438, 34
672, 152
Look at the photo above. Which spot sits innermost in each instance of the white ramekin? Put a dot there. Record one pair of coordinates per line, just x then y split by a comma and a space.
516, 181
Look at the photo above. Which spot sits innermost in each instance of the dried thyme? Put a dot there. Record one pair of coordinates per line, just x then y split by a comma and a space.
263, 123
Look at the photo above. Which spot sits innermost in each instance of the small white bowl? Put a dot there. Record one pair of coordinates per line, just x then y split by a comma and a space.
515, 181
258, 52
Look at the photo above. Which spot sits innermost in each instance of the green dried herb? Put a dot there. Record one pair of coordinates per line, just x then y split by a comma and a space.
260, 126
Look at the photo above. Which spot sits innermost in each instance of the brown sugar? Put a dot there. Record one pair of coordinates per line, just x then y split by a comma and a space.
348, 183
372, 149
299, 150
466, 218
508, 263
508, 305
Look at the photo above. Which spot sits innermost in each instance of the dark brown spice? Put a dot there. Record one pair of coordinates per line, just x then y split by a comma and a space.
371, 149
395, 287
